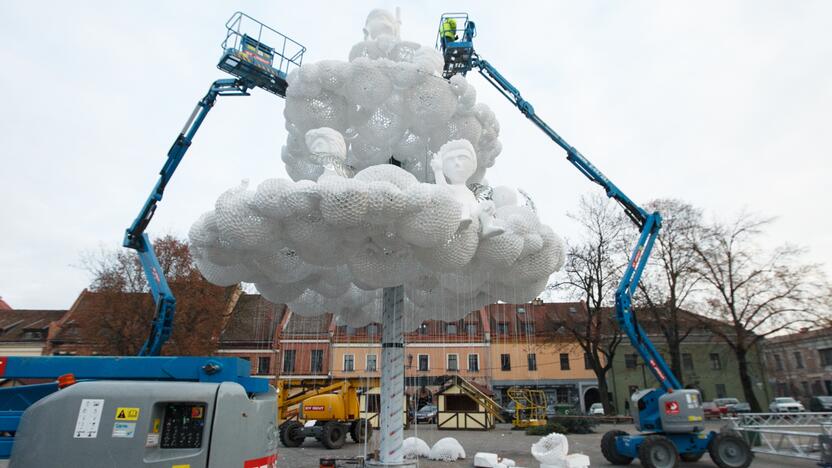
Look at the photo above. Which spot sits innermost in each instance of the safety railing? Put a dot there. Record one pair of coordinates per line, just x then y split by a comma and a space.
459, 28
288, 53
798, 435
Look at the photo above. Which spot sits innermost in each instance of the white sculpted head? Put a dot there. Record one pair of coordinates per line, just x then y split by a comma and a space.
379, 23
459, 161
326, 141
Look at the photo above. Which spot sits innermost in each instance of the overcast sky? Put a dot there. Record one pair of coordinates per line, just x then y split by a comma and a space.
723, 104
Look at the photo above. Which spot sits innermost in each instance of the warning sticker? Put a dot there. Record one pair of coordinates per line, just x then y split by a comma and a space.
127, 414
124, 430
152, 440
89, 417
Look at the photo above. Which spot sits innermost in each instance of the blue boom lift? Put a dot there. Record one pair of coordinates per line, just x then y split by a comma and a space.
670, 417
139, 383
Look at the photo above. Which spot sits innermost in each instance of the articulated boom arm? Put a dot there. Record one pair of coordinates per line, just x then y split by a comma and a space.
135, 238
648, 223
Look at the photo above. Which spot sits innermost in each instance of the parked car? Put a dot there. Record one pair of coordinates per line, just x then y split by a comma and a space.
739, 408
712, 410
725, 403
820, 404
597, 409
509, 409
785, 405
427, 414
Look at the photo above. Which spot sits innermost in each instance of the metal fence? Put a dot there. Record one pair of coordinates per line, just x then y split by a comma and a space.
797, 435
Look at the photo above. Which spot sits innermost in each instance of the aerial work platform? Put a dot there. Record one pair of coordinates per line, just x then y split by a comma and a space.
246, 55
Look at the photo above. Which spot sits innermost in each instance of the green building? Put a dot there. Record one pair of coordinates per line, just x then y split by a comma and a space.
708, 364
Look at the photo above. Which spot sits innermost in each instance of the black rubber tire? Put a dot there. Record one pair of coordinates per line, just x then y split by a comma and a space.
291, 434
360, 431
691, 457
658, 452
333, 435
609, 450
729, 450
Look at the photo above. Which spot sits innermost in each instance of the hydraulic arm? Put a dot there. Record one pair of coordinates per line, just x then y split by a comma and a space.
135, 238
648, 224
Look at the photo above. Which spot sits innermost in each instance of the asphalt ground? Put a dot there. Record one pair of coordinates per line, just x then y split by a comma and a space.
506, 443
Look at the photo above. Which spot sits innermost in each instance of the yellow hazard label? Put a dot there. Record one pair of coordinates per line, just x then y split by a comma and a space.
127, 414
157, 423
694, 418
181, 466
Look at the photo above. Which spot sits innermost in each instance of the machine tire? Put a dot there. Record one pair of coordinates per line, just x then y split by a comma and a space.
360, 431
609, 450
658, 452
333, 435
729, 450
691, 457
291, 434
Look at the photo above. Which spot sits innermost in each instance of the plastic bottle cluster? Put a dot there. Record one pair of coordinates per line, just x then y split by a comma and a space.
327, 240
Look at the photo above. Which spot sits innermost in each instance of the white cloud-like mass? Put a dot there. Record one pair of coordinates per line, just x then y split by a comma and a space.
328, 244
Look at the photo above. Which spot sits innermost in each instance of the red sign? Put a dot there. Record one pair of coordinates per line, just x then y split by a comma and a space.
671, 408
265, 462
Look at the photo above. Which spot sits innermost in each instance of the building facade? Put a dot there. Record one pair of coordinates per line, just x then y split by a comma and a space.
252, 333
800, 364
708, 364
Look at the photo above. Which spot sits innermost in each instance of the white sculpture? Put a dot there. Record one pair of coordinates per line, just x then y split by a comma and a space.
455, 162
349, 223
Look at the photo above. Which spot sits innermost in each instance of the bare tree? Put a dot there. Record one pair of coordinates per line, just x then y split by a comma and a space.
669, 279
591, 274
753, 293
124, 308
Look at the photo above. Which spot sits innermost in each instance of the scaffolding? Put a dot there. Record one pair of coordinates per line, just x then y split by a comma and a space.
797, 435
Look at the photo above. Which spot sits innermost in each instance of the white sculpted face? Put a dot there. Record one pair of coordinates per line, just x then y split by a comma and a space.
380, 23
458, 165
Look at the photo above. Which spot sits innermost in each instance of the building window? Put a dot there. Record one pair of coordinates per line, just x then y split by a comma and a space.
587, 361
423, 329
474, 362
720, 391
528, 327
532, 361
451, 328
806, 391
263, 365
289, 361
630, 361
687, 362
460, 403
521, 310
349, 362
564, 361
453, 362
716, 364
502, 328
505, 362
828, 385
471, 328
372, 330
317, 358
825, 357
372, 361
562, 395
798, 360
424, 362
778, 362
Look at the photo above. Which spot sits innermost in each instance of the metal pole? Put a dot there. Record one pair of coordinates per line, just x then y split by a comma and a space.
391, 424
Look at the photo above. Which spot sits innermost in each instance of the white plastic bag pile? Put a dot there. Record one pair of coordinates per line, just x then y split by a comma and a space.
552, 451
447, 449
329, 245
414, 447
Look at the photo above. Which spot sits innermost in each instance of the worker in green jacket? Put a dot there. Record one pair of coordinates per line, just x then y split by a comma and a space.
448, 31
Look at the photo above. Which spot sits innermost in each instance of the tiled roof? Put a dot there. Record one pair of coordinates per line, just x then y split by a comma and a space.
801, 336
91, 303
27, 325
253, 322
299, 325
3, 305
